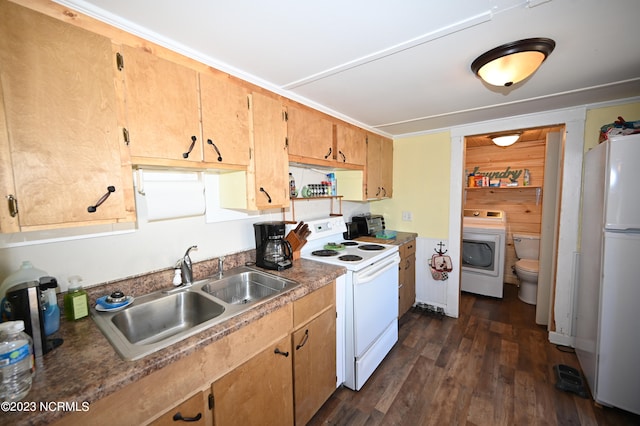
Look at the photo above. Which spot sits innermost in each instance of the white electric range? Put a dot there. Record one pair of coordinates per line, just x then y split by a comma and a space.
368, 301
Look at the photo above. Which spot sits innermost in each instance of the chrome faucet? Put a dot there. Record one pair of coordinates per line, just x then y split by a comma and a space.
220, 266
186, 267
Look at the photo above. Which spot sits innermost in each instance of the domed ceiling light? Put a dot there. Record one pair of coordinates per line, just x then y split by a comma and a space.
512, 62
505, 140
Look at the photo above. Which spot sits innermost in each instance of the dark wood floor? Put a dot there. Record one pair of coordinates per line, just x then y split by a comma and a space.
491, 366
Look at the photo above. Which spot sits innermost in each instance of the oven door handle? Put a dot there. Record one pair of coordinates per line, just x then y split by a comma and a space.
377, 269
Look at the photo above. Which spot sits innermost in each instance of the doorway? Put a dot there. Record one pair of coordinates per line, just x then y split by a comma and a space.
530, 203
560, 329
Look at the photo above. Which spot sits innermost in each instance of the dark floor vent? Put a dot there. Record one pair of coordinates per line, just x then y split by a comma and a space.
570, 380
427, 309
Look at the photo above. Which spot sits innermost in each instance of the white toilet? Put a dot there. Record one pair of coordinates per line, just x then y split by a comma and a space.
527, 250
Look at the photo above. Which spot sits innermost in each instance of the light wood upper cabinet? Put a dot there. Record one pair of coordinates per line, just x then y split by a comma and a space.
259, 392
309, 134
379, 167
268, 183
386, 171
61, 139
225, 120
162, 107
351, 145
314, 138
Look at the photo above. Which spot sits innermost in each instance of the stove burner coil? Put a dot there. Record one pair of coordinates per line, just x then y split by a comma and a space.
349, 243
350, 258
324, 253
371, 247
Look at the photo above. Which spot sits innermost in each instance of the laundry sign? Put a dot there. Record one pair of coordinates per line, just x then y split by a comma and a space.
507, 173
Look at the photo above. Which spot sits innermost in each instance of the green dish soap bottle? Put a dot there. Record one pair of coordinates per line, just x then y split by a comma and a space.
76, 302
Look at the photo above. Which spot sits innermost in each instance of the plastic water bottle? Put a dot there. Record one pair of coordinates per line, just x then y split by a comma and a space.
16, 360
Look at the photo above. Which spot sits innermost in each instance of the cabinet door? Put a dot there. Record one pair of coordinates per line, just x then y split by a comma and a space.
309, 134
386, 170
351, 145
225, 120
379, 167
268, 174
314, 365
191, 411
259, 392
407, 277
161, 107
60, 107
374, 164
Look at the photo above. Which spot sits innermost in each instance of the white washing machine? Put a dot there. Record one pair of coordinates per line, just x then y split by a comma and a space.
483, 252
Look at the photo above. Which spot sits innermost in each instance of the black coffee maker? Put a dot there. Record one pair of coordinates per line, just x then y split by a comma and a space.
272, 250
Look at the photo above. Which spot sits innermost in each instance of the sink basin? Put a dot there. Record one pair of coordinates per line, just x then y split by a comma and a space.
165, 317
247, 287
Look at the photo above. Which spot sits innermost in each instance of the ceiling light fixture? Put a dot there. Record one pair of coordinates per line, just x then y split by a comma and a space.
505, 140
512, 62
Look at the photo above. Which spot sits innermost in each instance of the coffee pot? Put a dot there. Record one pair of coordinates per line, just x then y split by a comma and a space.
272, 250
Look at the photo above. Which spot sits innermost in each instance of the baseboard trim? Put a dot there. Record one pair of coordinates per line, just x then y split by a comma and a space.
561, 339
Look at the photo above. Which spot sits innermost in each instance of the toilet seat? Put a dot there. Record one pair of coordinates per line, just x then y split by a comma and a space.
527, 265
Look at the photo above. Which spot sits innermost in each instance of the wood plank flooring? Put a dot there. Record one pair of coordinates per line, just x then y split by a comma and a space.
491, 366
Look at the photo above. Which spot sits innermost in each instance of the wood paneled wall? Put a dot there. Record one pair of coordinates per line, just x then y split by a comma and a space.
523, 205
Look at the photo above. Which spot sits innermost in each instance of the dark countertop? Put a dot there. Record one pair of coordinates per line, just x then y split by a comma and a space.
87, 368
401, 238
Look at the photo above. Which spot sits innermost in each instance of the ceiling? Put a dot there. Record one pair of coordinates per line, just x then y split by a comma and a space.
398, 67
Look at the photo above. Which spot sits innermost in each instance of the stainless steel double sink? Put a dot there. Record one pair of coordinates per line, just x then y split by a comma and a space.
160, 319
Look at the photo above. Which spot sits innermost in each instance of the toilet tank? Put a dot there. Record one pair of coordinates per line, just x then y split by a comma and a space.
527, 245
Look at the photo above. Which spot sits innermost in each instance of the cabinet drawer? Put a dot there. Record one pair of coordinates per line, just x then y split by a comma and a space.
408, 249
312, 304
192, 411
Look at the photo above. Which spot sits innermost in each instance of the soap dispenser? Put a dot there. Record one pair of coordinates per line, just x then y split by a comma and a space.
76, 302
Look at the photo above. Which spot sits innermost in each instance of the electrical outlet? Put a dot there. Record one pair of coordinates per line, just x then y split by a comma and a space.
407, 216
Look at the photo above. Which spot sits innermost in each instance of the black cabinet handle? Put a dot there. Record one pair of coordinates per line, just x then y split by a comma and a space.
378, 193
177, 417
279, 352
193, 143
344, 157
210, 142
110, 189
385, 192
328, 153
304, 339
266, 193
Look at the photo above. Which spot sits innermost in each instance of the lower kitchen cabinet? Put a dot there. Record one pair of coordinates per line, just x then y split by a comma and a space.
314, 365
258, 392
314, 351
193, 410
276, 370
407, 276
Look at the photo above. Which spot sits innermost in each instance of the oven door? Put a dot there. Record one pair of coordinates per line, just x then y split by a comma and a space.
375, 302
479, 253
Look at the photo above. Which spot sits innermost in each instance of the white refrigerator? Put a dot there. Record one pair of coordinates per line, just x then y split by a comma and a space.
608, 292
